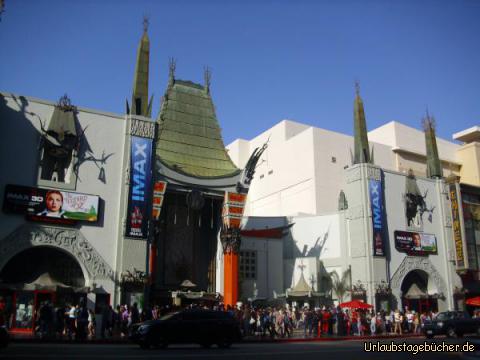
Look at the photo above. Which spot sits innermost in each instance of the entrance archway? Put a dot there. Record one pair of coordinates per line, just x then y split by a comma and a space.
44, 266
41, 276
418, 292
436, 283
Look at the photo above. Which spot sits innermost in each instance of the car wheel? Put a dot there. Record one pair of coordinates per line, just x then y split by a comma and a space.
225, 343
145, 344
451, 332
161, 343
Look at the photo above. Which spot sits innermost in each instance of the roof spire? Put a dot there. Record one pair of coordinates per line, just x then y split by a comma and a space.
361, 148
207, 75
172, 64
434, 166
140, 104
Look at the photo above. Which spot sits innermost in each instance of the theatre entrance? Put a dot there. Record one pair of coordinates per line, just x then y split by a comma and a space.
35, 277
187, 244
418, 293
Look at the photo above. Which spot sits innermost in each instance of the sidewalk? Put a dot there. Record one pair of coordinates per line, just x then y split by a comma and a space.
297, 337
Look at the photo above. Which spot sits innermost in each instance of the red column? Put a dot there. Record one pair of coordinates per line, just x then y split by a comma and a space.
152, 263
230, 278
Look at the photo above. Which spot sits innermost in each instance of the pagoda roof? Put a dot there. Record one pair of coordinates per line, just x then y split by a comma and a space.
301, 286
189, 139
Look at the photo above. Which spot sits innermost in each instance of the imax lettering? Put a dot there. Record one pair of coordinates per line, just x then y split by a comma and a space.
140, 150
138, 190
377, 218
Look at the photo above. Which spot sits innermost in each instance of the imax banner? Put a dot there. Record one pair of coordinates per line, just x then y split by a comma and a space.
140, 188
376, 203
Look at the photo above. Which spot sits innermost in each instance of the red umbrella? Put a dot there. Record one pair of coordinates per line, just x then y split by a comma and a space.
475, 301
355, 304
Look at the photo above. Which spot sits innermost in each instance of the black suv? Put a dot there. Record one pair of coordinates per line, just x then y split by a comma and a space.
205, 327
451, 323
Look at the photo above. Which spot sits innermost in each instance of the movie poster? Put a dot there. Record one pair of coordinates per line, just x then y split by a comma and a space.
415, 244
50, 205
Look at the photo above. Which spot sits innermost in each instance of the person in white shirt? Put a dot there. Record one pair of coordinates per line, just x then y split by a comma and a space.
410, 321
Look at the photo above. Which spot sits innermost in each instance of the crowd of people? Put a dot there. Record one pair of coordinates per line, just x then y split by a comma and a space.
327, 321
77, 322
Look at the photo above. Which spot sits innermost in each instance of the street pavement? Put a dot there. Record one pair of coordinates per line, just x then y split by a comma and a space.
344, 350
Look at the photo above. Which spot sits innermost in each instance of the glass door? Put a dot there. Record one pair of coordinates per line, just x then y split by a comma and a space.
24, 306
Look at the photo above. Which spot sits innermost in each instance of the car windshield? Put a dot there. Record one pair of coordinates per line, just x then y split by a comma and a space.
168, 316
443, 316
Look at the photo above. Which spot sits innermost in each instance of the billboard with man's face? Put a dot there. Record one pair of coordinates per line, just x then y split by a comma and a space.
50, 205
414, 243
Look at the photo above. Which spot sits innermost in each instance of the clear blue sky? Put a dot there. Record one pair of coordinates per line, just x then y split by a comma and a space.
270, 60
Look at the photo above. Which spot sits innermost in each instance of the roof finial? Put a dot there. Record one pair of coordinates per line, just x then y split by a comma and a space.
357, 88
146, 23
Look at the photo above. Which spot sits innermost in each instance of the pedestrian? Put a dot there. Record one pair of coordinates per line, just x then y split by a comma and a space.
91, 324
373, 325
82, 321
409, 315
72, 329
416, 323
397, 323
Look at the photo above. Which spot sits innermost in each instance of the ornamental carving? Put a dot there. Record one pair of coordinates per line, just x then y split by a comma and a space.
411, 263
70, 240
142, 128
231, 240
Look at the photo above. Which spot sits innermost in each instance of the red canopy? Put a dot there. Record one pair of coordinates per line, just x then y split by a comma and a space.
475, 301
355, 304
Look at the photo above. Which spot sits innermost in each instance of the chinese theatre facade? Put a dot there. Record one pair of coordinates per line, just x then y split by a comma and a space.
198, 198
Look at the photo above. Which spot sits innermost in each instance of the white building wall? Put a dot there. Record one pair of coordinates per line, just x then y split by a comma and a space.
19, 164
301, 172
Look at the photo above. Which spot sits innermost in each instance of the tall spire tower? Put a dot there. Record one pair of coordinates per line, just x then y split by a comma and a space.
140, 104
361, 148
434, 167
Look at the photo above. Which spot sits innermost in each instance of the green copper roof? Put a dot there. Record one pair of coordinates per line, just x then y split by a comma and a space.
189, 139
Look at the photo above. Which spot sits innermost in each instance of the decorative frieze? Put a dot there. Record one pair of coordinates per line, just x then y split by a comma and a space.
142, 128
70, 240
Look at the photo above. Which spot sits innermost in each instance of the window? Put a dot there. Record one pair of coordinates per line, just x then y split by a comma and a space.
248, 264
270, 172
262, 176
334, 159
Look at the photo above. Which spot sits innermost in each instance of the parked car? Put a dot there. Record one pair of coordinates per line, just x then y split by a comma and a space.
204, 327
3, 337
452, 323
